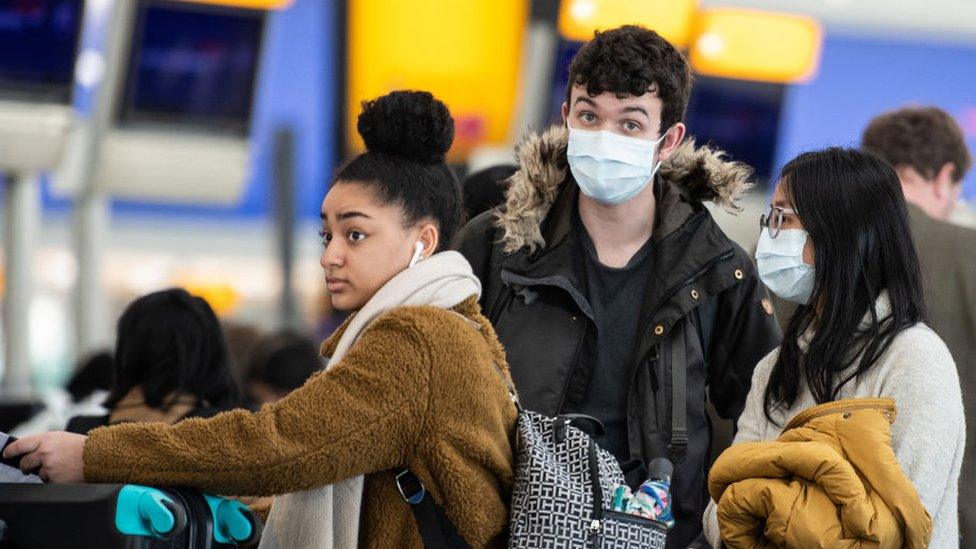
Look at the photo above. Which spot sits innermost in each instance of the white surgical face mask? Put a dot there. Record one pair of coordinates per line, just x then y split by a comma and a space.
781, 267
611, 168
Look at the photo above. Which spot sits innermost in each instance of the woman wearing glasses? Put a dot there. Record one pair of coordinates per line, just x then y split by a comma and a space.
836, 242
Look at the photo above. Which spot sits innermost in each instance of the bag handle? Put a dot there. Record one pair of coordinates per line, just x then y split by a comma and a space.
430, 520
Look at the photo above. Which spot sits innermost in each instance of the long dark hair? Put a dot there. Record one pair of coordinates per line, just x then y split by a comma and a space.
851, 205
168, 343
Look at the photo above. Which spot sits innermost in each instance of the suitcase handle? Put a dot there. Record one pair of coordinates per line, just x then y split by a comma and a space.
234, 522
148, 512
172, 523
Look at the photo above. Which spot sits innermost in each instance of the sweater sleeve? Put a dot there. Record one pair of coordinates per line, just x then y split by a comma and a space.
928, 434
365, 414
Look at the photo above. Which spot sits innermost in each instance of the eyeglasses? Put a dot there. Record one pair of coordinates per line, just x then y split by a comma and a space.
773, 221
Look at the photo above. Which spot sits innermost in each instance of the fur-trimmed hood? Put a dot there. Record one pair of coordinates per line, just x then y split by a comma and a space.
703, 173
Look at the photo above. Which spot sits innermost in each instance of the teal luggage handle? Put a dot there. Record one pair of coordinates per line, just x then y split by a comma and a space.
234, 523
148, 512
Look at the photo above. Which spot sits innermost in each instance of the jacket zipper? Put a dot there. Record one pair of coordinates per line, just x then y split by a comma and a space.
634, 519
572, 365
803, 417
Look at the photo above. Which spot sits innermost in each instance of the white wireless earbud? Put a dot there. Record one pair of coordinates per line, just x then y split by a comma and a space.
418, 250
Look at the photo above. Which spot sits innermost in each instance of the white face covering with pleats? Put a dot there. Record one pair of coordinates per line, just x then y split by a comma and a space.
611, 168
781, 267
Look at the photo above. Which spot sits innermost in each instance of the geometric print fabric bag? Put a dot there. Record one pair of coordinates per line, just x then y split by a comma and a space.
559, 474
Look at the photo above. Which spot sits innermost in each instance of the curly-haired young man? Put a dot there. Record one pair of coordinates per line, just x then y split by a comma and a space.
613, 290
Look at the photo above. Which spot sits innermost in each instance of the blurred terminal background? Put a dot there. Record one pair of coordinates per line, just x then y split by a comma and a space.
146, 144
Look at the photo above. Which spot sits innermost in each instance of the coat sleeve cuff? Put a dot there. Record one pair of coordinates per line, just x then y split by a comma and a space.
98, 452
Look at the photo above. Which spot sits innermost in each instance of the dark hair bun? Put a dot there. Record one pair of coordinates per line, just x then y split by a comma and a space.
409, 124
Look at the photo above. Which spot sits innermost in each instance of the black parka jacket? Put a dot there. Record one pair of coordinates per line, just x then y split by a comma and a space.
704, 299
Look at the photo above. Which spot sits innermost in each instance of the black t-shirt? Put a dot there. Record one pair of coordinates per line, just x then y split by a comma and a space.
615, 296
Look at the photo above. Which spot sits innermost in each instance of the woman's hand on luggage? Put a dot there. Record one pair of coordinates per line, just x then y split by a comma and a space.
56, 456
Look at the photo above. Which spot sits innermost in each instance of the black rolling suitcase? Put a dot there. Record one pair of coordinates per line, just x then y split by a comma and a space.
121, 516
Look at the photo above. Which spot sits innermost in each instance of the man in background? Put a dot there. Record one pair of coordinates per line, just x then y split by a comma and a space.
928, 151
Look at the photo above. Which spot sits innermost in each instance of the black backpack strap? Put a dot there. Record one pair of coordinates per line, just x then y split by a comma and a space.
679, 401
704, 319
436, 530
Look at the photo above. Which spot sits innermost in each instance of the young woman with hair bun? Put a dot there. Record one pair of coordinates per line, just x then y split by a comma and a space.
416, 378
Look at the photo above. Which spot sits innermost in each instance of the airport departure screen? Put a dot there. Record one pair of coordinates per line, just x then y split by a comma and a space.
38, 46
193, 65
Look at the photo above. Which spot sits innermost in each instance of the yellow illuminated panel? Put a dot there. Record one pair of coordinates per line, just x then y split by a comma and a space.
756, 45
466, 53
672, 19
253, 4
222, 298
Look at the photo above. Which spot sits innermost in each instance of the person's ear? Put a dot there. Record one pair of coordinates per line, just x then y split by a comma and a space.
672, 138
565, 111
946, 189
430, 238
943, 184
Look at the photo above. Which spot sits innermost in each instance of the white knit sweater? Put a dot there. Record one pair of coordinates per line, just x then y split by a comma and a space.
929, 432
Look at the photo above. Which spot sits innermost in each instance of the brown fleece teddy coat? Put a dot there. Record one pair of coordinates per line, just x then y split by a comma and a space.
418, 390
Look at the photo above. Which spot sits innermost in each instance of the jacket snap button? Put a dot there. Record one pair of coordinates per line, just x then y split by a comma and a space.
574, 318
738, 274
658, 330
847, 415
694, 294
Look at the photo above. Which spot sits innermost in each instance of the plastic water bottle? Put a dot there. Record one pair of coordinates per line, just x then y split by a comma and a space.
653, 499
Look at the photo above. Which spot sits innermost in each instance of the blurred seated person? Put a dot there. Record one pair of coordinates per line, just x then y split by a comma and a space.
84, 394
171, 363
485, 189
279, 364
241, 339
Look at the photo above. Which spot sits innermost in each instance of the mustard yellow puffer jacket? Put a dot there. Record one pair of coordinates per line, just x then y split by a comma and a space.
830, 480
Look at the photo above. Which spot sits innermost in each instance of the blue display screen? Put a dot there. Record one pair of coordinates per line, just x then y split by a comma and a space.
193, 65
38, 46
739, 117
